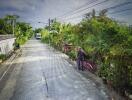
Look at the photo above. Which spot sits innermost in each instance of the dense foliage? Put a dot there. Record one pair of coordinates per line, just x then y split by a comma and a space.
21, 30
107, 42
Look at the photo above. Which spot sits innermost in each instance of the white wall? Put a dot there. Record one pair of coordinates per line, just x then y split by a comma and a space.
6, 45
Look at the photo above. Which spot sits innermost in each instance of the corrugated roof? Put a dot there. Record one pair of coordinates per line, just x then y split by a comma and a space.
4, 37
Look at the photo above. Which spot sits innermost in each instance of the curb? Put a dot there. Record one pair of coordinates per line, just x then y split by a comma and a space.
8, 63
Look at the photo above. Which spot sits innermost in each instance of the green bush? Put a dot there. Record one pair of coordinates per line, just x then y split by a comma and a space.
2, 57
72, 54
107, 42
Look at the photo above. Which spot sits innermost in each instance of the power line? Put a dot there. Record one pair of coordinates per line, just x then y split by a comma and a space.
80, 10
82, 6
73, 17
120, 11
110, 8
116, 12
119, 5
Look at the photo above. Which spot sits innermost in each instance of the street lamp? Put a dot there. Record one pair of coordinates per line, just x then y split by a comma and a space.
45, 24
42, 22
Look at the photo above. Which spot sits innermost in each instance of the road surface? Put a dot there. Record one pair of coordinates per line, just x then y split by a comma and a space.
42, 73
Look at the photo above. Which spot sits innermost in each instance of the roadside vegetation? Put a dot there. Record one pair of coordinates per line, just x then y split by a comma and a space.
2, 57
9, 25
107, 42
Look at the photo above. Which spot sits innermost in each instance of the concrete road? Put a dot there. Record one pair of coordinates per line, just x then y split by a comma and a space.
44, 74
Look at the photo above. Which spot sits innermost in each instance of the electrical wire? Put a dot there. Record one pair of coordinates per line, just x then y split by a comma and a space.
109, 8
120, 11
78, 8
89, 7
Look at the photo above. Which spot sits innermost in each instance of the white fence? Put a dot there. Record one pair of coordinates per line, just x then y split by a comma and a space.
6, 45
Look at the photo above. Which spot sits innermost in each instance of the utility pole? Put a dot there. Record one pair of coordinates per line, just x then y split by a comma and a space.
49, 23
13, 26
49, 29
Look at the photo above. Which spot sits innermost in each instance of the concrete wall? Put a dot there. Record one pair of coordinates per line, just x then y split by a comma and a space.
6, 45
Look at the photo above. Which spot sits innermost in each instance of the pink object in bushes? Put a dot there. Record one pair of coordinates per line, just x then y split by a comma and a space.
89, 65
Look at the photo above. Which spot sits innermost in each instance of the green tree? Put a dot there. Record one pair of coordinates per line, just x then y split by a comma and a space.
107, 42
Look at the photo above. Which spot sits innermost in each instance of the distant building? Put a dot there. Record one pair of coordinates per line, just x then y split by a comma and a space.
6, 43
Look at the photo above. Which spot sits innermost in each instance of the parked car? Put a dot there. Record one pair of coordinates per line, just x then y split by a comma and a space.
38, 35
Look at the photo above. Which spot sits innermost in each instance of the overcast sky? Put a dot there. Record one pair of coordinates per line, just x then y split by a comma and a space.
34, 11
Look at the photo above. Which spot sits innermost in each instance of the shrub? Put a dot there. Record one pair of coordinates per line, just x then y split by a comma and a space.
2, 57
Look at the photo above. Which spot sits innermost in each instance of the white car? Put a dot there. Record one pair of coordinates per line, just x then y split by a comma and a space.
38, 35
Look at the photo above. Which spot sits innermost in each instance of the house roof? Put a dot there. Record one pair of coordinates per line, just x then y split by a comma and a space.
4, 37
